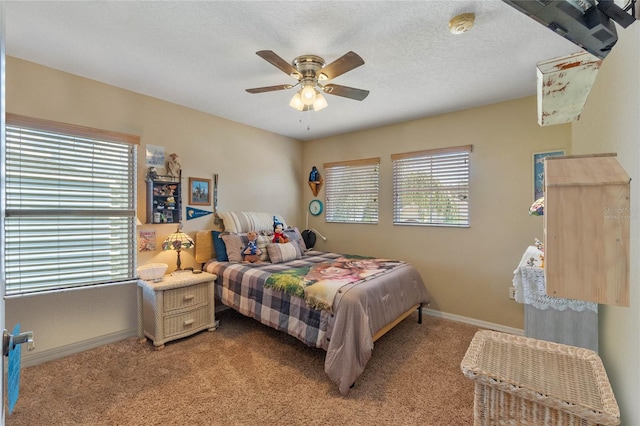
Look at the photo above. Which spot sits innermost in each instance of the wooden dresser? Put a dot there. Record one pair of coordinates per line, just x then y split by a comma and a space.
178, 306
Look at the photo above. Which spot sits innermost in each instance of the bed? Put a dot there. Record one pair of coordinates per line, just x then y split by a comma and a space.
343, 313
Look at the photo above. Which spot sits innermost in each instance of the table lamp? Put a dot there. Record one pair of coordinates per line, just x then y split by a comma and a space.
178, 241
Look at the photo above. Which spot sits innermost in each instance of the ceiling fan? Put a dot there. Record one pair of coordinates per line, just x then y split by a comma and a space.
311, 73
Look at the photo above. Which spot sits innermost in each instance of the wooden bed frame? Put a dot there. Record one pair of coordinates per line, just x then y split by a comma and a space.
398, 320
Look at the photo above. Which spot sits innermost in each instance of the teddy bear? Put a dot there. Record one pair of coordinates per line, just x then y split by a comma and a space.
278, 232
251, 253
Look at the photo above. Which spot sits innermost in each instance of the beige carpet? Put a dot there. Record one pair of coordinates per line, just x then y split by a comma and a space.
248, 374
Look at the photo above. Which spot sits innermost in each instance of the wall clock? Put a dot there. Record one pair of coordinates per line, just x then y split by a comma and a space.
315, 207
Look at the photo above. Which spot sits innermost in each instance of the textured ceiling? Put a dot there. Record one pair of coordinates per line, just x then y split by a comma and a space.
202, 54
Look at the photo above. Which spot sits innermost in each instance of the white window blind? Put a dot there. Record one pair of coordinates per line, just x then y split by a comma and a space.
432, 187
351, 189
70, 206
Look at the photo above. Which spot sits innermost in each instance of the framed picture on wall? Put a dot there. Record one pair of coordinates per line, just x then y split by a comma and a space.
199, 191
154, 156
538, 171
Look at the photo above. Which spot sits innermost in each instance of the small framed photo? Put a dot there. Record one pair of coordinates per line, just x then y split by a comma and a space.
199, 191
538, 171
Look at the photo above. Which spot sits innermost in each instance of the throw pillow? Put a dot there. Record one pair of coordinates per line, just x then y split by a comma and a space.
219, 247
295, 236
235, 243
286, 252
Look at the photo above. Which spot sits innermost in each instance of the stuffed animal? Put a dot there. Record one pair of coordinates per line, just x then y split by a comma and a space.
278, 232
251, 254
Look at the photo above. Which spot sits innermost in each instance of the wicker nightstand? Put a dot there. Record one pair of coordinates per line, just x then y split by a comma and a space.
178, 306
524, 381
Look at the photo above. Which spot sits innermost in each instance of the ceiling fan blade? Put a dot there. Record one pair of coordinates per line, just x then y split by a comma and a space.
275, 60
269, 88
346, 62
346, 92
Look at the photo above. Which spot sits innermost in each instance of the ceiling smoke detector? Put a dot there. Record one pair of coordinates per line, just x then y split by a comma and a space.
461, 23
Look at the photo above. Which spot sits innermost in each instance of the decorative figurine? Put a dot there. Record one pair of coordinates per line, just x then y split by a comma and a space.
152, 174
173, 167
315, 181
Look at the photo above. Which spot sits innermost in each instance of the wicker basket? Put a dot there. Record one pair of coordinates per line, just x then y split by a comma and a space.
524, 381
152, 271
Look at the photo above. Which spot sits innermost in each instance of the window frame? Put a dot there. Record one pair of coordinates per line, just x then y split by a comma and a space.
110, 214
343, 207
450, 168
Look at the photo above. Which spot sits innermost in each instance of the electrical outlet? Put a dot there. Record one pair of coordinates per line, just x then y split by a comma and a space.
512, 293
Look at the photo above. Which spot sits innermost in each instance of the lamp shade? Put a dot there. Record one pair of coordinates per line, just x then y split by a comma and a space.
177, 241
296, 102
308, 95
320, 102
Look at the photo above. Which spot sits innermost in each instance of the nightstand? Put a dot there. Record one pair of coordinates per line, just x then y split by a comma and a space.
178, 306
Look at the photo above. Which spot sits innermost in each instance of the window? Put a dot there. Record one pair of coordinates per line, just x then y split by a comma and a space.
70, 206
432, 187
352, 191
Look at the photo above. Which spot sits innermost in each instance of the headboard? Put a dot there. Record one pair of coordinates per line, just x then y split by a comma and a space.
234, 222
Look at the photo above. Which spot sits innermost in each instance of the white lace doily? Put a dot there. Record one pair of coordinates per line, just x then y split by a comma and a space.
531, 290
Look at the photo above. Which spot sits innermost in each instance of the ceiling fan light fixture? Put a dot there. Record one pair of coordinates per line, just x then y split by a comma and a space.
310, 70
296, 102
308, 94
320, 102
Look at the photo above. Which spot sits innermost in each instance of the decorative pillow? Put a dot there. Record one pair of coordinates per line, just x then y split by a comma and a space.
235, 243
219, 247
295, 236
279, 253
238, 222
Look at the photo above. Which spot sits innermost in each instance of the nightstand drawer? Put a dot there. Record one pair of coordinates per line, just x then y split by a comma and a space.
186, 322
185, 297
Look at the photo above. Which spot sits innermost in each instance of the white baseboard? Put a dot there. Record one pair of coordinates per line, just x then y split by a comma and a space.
472, 321
31, 359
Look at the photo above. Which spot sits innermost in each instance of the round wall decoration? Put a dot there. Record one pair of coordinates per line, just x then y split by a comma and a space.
315, 207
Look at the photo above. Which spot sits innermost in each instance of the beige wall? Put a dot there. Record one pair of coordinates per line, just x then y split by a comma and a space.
610, 123
255, 168
467, 271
